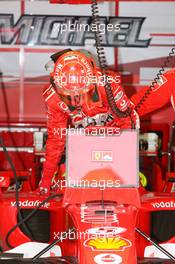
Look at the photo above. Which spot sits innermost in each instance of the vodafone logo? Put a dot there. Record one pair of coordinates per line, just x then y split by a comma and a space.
28, 203
162, 204
108, 258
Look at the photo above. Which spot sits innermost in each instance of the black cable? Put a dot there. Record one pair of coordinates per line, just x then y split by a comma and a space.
63, 236
16, 188
156, 79
172, 258
29, 216
104, 67
21, 219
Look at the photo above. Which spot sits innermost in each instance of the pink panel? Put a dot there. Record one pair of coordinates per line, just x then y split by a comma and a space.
102, 160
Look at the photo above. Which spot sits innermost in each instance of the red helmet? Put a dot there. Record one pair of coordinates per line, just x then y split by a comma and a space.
73, 75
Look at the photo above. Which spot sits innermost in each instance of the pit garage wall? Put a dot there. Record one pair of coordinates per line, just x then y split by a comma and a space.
22, 65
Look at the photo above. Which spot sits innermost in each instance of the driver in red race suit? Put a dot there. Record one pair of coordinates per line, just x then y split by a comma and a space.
77, 97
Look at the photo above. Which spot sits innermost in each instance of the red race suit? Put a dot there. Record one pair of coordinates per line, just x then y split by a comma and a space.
59, 115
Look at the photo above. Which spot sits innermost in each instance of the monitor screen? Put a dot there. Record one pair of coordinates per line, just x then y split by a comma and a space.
108, 161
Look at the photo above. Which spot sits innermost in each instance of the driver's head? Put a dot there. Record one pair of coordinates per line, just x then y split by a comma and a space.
73, 76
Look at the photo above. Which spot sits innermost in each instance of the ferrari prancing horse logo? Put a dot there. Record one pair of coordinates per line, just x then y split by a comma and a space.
102, 156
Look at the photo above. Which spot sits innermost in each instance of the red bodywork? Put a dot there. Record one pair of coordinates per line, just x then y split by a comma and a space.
58, 216
27, 201
19, 139
136, 207
85, 208
152, 202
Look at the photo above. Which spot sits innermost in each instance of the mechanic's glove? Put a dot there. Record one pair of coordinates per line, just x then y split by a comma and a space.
59, 183
46, 180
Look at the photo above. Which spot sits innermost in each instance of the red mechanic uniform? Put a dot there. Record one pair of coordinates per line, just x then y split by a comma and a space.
98, 114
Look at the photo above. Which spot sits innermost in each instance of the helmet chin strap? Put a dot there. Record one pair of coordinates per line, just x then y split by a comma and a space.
77, 100
73, 101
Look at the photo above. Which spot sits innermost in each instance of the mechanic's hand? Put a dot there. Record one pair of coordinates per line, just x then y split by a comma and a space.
46, 179
44, 186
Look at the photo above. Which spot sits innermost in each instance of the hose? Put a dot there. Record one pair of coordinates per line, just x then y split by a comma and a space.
103, 64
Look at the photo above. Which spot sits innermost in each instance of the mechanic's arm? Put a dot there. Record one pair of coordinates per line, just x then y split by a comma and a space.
162, 93
56, 128
123, 103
